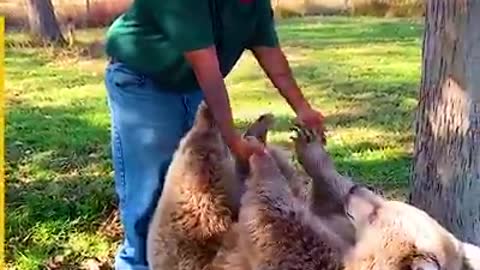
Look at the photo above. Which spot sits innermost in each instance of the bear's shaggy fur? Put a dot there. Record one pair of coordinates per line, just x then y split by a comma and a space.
299, 182
231, 255
197, 205
278, 230
388, 234
200, 198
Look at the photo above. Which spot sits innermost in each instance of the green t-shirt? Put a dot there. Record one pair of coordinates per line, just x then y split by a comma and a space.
153, 34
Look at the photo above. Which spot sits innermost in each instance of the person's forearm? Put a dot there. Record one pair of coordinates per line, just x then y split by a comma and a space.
288, 88
211, 82
216, 97
276, 66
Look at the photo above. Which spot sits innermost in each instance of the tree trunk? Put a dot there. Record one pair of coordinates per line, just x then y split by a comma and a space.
87, 13
43, 22
446, 168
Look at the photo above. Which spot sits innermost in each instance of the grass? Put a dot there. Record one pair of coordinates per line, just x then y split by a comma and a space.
362, 73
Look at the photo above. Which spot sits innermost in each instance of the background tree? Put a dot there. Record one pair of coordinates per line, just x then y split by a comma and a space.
87, 13
43, 22
446, 169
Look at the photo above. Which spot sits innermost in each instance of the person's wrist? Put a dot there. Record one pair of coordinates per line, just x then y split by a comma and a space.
234, 141
301, 106
298, 101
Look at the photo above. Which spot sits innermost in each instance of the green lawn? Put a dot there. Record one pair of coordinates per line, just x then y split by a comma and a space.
361, 73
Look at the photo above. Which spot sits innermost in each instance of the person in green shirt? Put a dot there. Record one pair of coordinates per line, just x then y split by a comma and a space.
165, 58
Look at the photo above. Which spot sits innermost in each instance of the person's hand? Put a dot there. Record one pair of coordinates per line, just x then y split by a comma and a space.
243, 148
312, 119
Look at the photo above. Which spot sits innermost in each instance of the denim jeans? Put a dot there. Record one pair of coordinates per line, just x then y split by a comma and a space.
147, 124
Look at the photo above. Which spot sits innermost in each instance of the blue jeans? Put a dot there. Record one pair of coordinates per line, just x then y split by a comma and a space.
147, 125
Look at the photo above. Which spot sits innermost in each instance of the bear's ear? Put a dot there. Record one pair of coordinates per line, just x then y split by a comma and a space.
204, 118
259, 128
362, 206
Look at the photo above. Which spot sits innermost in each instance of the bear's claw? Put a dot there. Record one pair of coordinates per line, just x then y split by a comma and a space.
303, 134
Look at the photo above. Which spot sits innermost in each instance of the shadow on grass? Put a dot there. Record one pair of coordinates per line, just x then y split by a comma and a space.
45, 219
59, 184
389, 173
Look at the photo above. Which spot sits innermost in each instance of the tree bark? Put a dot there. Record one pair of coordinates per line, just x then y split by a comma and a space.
446, 167
43, 22
87, 13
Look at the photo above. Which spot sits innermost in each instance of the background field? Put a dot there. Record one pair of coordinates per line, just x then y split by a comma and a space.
362, 73
101, 12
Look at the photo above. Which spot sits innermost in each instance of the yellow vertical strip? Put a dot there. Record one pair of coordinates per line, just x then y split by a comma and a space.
2, 143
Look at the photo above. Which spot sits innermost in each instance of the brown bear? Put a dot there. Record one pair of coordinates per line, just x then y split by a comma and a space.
200, 198
278, 230
388, 234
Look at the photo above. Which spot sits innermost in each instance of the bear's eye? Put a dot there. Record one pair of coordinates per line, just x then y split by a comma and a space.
420, 262
354, 189
350, 216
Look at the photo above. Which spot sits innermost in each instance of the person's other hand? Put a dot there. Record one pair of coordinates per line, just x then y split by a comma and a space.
243, 148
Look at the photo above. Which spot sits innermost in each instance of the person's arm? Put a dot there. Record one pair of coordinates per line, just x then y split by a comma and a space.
265, 46
207, 71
